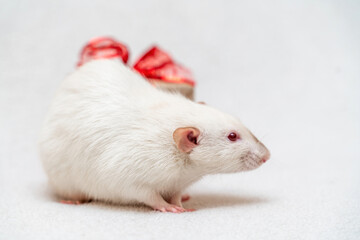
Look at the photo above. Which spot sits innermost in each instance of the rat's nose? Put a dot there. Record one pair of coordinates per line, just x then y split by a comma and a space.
266, 157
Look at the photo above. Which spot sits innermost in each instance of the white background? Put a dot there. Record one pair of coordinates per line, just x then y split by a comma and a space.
290, 70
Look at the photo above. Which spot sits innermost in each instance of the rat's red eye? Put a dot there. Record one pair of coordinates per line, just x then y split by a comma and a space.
233, 136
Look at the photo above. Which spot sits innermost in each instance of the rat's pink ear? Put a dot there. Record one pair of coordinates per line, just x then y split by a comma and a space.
186, 138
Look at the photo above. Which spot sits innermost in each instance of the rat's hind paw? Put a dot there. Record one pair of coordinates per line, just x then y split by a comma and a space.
74, 202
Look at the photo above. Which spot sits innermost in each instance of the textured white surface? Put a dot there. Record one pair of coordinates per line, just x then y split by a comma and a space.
290, 71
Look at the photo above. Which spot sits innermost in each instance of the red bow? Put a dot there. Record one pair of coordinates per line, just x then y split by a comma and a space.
154, 64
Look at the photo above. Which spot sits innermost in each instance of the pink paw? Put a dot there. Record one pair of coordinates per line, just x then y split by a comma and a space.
76, 202
173, 209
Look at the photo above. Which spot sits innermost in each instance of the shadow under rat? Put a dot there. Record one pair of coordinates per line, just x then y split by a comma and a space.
199, 201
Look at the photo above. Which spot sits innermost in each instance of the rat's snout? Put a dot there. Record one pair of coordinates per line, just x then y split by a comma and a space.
266, 156
265, 153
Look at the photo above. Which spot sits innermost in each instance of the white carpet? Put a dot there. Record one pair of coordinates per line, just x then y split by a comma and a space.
289, 70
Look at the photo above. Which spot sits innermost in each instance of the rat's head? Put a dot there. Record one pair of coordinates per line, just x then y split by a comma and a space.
220, 143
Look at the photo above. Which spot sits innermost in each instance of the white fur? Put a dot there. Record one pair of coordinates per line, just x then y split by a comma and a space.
109, 136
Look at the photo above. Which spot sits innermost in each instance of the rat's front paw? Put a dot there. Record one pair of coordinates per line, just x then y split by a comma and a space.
185, 197
173, 209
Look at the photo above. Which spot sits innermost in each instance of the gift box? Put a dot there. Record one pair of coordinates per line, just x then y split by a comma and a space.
155, 65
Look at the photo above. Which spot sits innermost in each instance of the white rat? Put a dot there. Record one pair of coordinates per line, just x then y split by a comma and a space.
111, 136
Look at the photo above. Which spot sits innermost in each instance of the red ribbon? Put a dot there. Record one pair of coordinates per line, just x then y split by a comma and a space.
103, 47
154, 64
